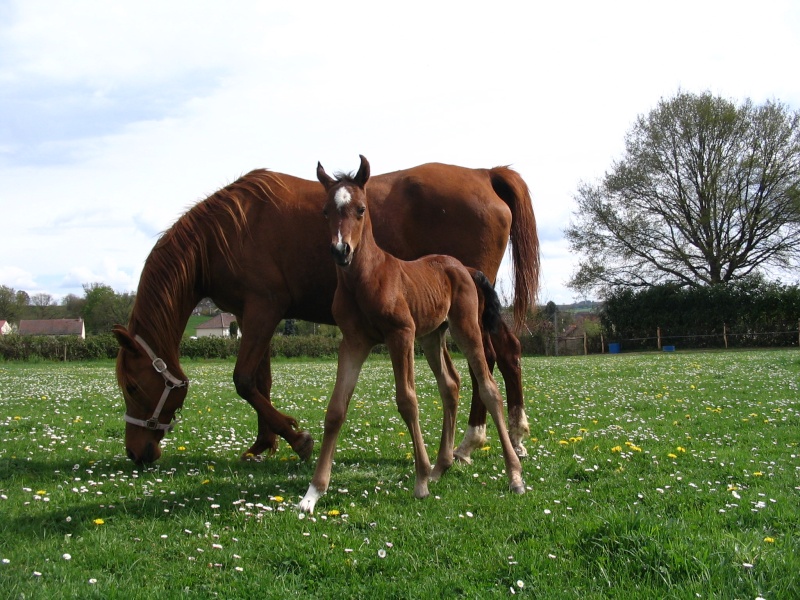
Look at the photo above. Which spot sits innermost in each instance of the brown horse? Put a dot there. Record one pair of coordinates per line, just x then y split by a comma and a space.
254, 247
382, 299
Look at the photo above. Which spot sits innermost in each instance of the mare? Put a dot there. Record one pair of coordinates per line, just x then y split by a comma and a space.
382, 299
255, 247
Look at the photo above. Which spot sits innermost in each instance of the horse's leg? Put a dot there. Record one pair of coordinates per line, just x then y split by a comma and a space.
475, 436
401, 350
449, 382
508, 351
467, 336
253, 379
351, 358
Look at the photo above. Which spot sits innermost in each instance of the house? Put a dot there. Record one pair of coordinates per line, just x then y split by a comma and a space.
55, 327
219, 326
5, 327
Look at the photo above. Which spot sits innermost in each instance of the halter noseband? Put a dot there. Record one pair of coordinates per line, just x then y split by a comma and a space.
170, 382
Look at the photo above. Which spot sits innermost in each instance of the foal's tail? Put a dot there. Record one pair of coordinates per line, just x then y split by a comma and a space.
491, 317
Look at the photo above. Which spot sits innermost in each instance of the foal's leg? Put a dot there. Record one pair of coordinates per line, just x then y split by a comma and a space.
466, 333
351, 358
448, 381
401, 350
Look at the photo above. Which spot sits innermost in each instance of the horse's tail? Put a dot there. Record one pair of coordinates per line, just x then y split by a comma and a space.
492, 309
508, 184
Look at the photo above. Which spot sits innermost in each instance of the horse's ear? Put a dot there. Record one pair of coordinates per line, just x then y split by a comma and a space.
363, 172
326, 180
124, 338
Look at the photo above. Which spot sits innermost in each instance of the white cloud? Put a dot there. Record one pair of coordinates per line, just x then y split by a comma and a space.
115, 118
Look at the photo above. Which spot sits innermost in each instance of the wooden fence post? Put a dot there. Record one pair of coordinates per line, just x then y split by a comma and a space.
602, 344
725, 334
658, 333
585, 344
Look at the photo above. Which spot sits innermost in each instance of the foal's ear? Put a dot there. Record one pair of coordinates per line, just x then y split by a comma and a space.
362, 176
326, 180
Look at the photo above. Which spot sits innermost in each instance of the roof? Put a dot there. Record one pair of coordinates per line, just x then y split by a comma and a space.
221, 321
51, 327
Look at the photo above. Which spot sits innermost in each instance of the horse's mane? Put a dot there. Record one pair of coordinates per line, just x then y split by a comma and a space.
178, 265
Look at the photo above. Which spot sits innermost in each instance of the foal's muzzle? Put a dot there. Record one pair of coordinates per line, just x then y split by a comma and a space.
342, 253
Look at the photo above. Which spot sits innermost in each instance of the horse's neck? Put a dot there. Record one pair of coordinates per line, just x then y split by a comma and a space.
161, 320
369, 258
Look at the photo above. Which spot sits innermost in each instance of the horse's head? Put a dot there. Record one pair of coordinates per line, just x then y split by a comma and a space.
152, 395
346, 209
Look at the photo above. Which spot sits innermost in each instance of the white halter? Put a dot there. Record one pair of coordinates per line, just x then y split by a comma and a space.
170, 382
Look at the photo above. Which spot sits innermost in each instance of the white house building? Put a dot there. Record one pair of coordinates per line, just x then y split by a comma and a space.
219, 326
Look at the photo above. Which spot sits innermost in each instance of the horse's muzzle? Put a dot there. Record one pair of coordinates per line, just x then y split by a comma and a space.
342, 253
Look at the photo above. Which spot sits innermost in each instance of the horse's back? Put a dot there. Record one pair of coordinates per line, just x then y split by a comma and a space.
441, 209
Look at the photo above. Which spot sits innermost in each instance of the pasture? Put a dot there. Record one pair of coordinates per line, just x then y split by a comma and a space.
671, 475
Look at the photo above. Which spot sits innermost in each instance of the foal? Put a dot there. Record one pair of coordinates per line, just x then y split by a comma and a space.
380, 298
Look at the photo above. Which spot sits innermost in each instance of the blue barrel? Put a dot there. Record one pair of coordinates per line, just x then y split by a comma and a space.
613, 348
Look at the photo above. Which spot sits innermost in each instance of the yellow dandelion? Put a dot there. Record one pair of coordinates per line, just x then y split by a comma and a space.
486, 448
681, 449
333, 513
769, 540
278, 498
757, 474
41, 492
98, 522
564, 442
181, 448
617, 449
671, 455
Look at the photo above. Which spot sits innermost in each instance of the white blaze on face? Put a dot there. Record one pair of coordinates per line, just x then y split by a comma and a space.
342, 197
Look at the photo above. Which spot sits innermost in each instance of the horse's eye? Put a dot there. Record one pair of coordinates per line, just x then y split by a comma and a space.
325, 212
361, 210
131, 389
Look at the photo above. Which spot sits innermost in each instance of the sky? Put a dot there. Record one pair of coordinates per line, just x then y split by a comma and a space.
116, 117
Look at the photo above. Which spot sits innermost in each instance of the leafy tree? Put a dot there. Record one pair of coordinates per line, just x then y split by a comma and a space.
707, 192
12, 303
104, 307
72, 306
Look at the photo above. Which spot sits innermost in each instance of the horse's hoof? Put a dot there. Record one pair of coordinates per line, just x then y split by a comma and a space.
305, 446
251, 457
518, 489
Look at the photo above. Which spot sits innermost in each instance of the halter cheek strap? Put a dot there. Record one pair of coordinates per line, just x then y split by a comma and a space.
170, 383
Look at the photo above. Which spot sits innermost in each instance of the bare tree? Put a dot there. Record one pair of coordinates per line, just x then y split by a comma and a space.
41, 302
707, 192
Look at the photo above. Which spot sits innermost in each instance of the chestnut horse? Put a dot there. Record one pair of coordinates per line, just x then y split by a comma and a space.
256, 249
382, 299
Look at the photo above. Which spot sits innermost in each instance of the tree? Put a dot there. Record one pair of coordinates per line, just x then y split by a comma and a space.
41, 302
12, 303
104, 307
707, 192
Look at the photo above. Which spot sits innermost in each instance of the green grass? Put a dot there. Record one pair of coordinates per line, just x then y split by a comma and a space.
650, 476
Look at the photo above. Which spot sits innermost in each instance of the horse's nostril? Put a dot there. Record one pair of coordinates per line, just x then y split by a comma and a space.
130, 454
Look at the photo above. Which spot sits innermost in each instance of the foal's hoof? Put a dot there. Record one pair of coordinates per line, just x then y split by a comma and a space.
520, 451
304, 446
518, 489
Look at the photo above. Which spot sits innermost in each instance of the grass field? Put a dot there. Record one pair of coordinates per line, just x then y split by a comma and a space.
671, 475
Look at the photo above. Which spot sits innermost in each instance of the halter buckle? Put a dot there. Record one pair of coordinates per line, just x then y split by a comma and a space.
159, 365
152, 423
